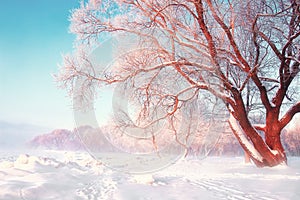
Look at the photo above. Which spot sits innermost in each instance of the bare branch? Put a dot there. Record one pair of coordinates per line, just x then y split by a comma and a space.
289, 115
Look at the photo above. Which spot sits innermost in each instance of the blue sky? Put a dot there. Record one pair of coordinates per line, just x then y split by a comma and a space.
33, 35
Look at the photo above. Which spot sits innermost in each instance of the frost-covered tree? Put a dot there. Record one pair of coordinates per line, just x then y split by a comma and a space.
244, 53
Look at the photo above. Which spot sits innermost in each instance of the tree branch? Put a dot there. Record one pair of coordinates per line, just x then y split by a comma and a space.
289, 115
229, 36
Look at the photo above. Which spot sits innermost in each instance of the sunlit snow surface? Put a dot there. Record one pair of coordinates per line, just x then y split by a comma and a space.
74, 175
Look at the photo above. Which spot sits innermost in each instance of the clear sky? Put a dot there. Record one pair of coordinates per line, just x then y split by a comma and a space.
33, 35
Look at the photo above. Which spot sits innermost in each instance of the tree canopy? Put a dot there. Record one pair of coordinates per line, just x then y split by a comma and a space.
244, 53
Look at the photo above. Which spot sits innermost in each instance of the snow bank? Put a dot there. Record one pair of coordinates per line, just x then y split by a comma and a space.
76, 175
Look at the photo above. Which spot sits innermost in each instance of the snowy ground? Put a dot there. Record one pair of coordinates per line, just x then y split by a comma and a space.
70, 175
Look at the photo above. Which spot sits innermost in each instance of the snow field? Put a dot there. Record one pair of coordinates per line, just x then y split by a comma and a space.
76, 175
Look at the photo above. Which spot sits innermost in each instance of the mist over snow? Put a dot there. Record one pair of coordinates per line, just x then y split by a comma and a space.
225, 145
57, 166
15, 135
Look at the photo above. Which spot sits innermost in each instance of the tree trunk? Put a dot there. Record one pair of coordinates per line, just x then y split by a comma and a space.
269, 153
275, 145
247, 157
272, 136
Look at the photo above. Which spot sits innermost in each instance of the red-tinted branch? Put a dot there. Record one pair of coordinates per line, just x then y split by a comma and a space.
289, 115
